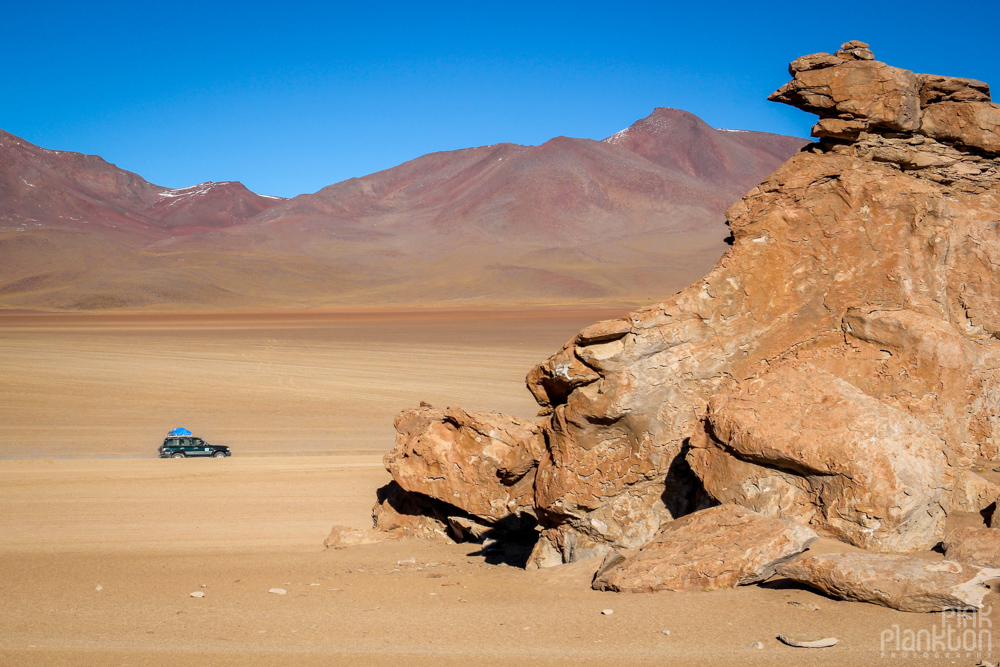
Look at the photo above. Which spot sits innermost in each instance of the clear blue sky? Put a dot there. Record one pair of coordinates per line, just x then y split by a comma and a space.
290, 97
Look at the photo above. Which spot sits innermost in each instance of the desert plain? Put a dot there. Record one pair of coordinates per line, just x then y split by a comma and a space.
102, 544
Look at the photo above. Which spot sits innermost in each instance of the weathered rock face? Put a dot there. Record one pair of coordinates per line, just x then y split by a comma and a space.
862, 274
802, 444
975, 124
853, 88
976, 546
482, 463
868, 259
721, 547
973, 493
898, 582
934, 88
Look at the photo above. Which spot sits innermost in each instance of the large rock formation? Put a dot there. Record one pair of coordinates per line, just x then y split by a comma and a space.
839, 366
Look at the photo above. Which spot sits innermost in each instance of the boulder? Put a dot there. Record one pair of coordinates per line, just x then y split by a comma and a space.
481, 463
802, 444
813, 61
852, 85
973, 124
899, 582
976, 546
720, 547
342, 537
934, 89
855, 50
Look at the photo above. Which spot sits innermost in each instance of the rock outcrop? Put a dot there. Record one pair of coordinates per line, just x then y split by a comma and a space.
721, 547
481, 463
839, 368
899, 582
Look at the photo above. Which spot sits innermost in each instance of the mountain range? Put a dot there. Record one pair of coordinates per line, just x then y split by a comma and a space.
634, 217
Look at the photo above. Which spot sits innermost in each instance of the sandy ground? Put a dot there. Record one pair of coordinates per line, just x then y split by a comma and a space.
99, 556
270, 383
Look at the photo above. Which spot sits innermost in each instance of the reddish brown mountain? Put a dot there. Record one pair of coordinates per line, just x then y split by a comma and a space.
566, 191
40, 185
633, 217
730, 160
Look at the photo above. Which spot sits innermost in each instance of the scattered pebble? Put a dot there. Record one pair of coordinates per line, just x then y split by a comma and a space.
608, 612
314, 584
202, 585
411, 559
666, 632
808, 642
756, 645
99, 588
277, 591
198, 594
808, 606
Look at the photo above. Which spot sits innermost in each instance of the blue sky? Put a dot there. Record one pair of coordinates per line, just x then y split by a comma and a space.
290, 97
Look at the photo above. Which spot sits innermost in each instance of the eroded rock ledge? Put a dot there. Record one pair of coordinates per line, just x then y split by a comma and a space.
838, 369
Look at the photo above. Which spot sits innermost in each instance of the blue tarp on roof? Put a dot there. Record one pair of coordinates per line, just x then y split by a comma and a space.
180, 431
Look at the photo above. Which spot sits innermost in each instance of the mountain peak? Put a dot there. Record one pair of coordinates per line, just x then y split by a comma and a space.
681, 141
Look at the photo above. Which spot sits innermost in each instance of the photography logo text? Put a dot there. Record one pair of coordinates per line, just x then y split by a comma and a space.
956, 634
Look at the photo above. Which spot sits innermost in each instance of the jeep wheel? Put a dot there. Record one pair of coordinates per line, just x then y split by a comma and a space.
219, 455
176, 455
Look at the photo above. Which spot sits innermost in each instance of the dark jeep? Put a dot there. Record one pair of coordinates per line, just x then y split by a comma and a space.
179, 447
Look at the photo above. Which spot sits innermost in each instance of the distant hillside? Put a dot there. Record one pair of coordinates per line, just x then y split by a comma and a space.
634, 217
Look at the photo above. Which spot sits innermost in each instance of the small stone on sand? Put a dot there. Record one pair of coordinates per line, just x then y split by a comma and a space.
198, 594
800, 641
804, 605
277, 591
